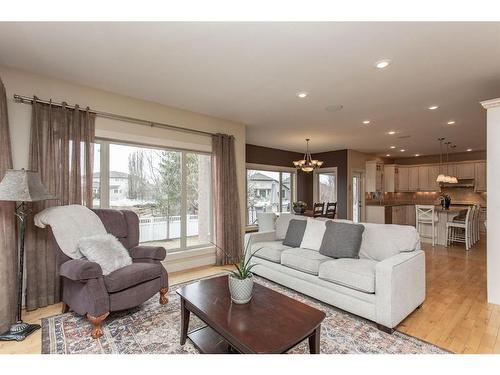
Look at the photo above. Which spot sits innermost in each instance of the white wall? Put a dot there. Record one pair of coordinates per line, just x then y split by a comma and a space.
24, 83
493, 188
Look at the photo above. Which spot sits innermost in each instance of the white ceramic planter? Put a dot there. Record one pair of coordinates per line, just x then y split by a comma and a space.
241, 290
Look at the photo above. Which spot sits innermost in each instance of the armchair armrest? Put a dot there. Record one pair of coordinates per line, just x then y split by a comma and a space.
80, 270
399, 286
148, 252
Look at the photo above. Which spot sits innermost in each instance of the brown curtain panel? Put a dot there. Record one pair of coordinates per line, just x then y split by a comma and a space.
61, 150
227, 217
8, 238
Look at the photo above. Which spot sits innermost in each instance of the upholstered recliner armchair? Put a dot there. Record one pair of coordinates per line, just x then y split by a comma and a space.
86, 291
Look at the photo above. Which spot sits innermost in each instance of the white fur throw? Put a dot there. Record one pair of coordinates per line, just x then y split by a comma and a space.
69, 224
105, 250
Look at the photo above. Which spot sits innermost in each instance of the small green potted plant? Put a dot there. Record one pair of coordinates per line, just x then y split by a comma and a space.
241, 280
299, 207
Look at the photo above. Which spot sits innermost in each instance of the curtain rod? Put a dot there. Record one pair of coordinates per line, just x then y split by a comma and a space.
30, 100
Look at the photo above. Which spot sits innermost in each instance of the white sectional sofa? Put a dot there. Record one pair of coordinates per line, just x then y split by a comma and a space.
384, 285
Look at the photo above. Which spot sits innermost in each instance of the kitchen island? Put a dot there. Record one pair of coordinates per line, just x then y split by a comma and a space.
404, 214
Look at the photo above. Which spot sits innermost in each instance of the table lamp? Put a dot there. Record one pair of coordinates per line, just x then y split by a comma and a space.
21, 186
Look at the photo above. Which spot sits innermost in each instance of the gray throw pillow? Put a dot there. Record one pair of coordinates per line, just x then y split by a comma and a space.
295, 233
106, 251
342, 240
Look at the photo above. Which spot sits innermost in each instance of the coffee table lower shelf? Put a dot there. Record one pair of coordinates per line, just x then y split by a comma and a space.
207, 341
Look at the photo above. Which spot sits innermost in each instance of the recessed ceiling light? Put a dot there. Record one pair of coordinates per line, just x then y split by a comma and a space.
393, 146
469, 149
402, 150
302, 94
417, 155
392, 132
433, 107
450, 122
381, 64
387, 155
366, 122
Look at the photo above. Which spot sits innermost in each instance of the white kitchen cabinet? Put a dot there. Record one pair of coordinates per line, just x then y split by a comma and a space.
464, 170
374, 176
390, 178
423, 178
480, 176
413, 179
403, 178
433, 175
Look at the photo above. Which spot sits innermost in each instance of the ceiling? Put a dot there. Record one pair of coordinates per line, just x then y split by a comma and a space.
251, 72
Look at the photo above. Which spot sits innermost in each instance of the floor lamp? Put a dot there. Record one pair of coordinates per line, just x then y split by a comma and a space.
21, 186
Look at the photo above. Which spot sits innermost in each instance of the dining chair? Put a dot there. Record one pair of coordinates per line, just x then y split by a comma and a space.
318, 209
331, 210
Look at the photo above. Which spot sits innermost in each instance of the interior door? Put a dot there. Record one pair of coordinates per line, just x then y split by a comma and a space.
357, 197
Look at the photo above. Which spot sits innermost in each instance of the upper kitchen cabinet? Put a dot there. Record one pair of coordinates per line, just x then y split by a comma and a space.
374, 176
423, 178
427, 175
403, 179
480, 176
464, 170
391, 178
413, 179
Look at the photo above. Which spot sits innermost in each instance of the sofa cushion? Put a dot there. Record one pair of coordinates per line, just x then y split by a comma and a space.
342, 240
356, 274
304, 260
382, 241
282, 223
270, 250
131, 275
313, 236
295, 233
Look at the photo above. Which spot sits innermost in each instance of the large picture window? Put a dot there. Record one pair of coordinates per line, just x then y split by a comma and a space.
170, 190
325, 185
268, 191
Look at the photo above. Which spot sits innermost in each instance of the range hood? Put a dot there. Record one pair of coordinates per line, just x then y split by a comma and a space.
462, 183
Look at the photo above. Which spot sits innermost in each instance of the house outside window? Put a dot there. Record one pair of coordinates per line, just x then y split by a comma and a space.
268, 190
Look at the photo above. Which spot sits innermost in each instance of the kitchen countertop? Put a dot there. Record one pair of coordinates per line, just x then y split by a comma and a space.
458, 204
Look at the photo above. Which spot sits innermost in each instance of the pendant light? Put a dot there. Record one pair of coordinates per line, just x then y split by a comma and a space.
441, 177
453, 179
308, 164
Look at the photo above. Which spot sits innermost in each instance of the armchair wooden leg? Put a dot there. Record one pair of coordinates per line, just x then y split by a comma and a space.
163, 296
65, 307
97, 324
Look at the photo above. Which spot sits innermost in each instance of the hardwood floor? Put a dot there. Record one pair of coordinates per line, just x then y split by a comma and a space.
454, 316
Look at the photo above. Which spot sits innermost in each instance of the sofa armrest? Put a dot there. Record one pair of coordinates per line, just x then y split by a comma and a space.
148, 252
80, 270
256, 237
399, 286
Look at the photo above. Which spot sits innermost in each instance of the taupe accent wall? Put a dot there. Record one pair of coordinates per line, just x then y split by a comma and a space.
282, 158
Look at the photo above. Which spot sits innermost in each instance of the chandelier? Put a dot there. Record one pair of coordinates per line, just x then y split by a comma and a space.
307, 164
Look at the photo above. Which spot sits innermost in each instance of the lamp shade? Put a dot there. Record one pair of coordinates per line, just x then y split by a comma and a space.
23, 186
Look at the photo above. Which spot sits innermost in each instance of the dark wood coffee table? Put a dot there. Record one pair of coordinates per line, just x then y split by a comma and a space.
270, 323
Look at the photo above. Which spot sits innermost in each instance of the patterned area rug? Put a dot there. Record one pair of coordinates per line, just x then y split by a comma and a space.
154, 328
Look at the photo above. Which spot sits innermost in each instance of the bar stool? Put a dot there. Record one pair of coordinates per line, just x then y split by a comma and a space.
460, 231
425, 214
